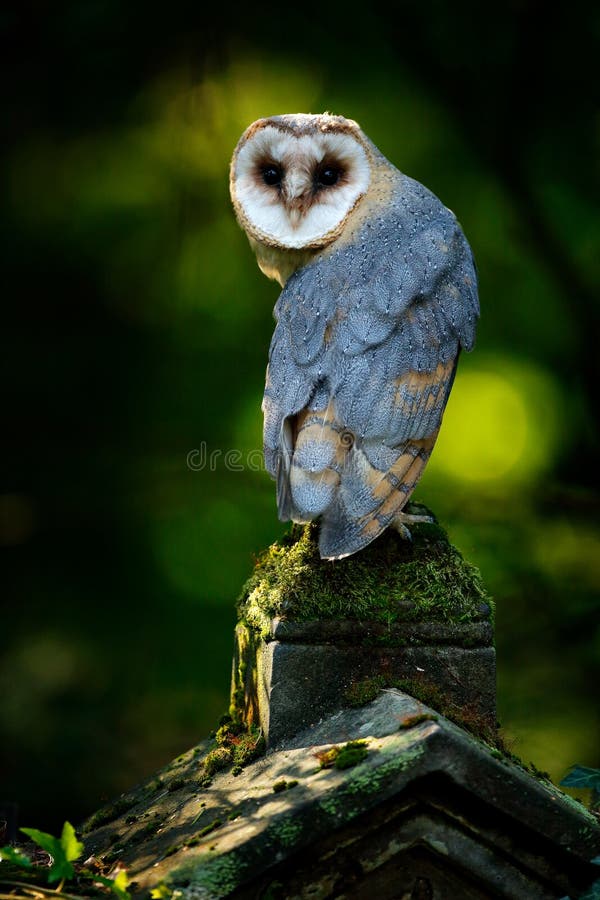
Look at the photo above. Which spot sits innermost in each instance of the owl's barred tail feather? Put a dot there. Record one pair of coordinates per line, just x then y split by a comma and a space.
342, 531
317, 463
326, 473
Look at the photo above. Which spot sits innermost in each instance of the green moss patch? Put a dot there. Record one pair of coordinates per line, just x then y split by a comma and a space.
283, 785
418, 719
390, 579
235, 746
195, 840
109, 813
217, 759
362, 692
344, 757
208, 829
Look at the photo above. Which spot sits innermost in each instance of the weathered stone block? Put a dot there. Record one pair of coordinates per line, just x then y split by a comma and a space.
305, 671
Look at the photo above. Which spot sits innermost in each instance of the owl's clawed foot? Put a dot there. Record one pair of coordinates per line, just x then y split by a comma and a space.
402, 530
403, 519
409, 519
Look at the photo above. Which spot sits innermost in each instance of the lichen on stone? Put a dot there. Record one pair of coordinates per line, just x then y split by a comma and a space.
392, 577
285, 831
344, 803
211, 878
370, 781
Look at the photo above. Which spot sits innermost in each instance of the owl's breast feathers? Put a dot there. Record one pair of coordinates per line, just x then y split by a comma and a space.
361, 365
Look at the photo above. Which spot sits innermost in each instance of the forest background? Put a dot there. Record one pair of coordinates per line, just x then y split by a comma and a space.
136, 330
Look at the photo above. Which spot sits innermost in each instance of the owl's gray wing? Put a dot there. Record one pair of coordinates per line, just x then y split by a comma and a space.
361, 365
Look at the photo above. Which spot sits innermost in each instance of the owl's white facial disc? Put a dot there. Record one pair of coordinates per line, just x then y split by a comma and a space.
294, 190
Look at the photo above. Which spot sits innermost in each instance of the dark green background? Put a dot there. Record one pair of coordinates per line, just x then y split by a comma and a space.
136, 328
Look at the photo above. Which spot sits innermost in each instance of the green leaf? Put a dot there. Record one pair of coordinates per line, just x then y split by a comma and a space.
9, 854
71, 846
582, 777
162, 892
62, 850
44, 840
118, 884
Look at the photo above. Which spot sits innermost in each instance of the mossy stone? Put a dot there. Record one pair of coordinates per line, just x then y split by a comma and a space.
426, 578
315, 635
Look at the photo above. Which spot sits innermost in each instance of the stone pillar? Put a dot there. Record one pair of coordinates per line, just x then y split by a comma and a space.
315, 636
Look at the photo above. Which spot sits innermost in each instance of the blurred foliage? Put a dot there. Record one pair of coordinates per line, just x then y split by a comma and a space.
136, 331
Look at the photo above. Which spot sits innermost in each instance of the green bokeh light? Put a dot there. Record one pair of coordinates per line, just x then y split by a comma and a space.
501, 425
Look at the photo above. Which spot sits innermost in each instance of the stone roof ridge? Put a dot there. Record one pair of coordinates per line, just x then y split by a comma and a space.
354, 800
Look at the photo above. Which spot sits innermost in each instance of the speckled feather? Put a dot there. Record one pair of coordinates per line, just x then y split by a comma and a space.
363, 357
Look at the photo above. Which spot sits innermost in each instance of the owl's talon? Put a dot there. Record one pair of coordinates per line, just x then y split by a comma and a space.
402, 519
405, 518
402, 530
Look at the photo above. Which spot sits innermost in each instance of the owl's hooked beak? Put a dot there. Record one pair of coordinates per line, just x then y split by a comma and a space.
296, 196
295, 211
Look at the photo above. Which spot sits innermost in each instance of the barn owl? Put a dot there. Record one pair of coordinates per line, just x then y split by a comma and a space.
379, 296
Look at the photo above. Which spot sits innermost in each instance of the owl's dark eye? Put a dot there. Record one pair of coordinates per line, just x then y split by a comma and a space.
327, 176
272, 175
